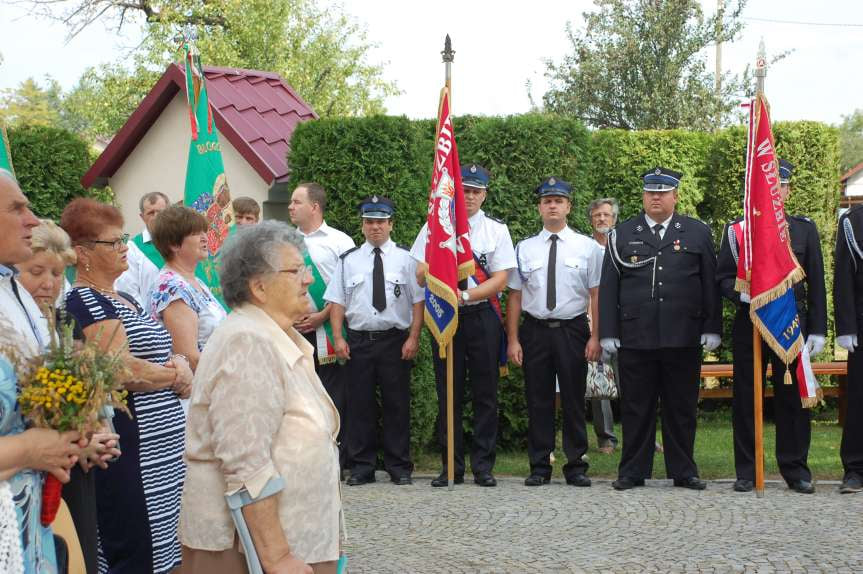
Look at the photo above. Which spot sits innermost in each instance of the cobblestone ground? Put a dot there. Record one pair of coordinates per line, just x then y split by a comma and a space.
560, 528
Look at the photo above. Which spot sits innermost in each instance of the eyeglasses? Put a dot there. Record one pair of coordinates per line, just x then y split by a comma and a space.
115, 244
298, 272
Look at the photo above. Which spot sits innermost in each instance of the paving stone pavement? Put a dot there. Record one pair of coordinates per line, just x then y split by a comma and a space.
560, 528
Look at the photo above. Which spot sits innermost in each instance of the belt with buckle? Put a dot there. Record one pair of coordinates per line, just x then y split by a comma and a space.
376, 335
552, 323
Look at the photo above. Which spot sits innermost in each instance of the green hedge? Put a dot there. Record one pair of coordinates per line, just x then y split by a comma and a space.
393, 156
49, 163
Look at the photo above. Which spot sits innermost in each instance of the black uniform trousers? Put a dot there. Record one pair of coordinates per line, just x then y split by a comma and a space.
851, 450
476, 348
792, 420
555, 349
376, 362
670, 375
332, 379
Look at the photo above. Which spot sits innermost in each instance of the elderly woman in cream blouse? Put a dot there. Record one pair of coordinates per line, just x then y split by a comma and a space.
259, 412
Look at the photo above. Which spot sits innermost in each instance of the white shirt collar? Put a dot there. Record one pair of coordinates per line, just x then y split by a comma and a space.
322, 229
385, 248
474, 219
145, 235
651, 222
563, 234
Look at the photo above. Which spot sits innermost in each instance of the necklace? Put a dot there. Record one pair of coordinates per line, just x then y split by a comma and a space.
110, 292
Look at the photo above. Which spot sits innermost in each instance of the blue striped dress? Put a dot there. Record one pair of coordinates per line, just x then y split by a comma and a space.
138, 497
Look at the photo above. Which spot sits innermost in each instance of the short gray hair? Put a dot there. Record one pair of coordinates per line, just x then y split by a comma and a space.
152, 197
251, 252
615, 208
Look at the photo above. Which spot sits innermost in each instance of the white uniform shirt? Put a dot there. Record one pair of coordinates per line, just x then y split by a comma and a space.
141, 275
23, 313
489, 240
325, 245
351, 287
578, 269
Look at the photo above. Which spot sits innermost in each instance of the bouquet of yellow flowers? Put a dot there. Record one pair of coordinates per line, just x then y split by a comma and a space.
71, 386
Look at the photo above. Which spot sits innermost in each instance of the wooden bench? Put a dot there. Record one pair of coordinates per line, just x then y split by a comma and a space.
839, 369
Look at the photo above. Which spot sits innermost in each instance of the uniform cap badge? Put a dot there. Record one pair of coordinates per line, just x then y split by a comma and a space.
658, 171
374, 199
473, 169
552, 181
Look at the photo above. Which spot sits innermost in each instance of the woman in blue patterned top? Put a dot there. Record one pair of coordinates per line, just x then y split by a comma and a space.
138, 497
178, 299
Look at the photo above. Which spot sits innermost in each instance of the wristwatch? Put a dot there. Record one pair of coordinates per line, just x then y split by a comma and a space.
465, 296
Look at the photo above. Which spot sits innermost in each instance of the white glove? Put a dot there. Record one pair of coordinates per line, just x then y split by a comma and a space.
744, 298
610, 345
815, 344
710, 340
847, 342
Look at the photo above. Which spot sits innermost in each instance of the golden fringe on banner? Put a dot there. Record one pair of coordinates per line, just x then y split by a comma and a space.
809, 402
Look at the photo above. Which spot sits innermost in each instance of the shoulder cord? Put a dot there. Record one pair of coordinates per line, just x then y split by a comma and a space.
851, 241
732, 243
10, 540
616, 260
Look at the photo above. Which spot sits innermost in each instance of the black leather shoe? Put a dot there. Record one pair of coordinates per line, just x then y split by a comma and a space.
402, 480
851, 485
536, 480
625, 483
743, 485
802, 486
691, 482
578, 480
441, 480
359, 479
484, 479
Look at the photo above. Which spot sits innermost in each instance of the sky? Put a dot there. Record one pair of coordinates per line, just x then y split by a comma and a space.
500, 47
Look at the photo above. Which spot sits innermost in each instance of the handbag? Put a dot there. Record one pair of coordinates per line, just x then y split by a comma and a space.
600, 381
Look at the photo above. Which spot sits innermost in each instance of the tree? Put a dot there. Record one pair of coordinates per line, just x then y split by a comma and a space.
31, 104
640, 64
851, 140
321, 52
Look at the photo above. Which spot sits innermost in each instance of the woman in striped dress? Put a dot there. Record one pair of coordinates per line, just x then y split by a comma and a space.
138, 496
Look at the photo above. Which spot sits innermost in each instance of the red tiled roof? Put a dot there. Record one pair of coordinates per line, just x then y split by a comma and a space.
847, 175
255, 111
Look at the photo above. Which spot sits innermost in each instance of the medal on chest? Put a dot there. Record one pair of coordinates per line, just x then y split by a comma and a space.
677, 245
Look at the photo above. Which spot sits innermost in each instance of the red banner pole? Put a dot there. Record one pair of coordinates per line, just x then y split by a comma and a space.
758, 409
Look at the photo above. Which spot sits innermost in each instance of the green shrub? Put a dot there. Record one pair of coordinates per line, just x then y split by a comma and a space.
49, 163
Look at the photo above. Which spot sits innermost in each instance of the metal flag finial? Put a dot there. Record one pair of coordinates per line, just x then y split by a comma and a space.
760, 67
448, 53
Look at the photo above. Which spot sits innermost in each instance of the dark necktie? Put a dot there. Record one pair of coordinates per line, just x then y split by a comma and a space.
551, 282
379, 296
657, 229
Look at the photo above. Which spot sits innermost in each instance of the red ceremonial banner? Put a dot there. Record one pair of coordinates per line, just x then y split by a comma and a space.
448, 253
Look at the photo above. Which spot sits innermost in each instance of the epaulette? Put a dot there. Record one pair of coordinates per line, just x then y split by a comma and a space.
401, 246
349, 251
495, 219
802, 218
696, 220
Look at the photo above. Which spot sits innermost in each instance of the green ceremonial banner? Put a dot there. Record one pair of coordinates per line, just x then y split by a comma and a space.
5, 153
206, 187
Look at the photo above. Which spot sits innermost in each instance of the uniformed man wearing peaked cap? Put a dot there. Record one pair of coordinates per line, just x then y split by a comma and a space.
848, 306
553, 288
374, 291
792, 420
479, 347
658, 305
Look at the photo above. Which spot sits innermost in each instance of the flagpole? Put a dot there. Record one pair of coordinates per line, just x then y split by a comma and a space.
757, 360
448, 56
